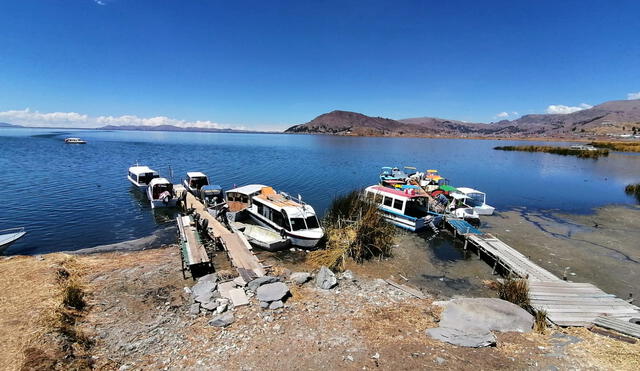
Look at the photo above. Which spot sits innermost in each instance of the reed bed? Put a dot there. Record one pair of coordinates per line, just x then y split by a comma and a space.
618, 146
515, 291
564, 151
354, 229
633, 190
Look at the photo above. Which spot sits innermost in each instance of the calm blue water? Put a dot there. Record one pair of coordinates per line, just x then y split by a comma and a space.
77, 196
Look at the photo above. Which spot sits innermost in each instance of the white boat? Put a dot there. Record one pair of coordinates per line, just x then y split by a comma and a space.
264, 238
194, 181
406, 208
475, 199
140, 176
74, 141
9, 236
161, 193
287, 216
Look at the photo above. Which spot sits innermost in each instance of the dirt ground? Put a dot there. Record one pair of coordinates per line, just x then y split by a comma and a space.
137, 318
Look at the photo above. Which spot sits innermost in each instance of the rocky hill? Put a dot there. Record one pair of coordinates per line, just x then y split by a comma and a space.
613, 116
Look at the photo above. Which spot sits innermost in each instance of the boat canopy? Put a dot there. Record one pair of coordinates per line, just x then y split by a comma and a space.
138, 170
158, 181
403, 195
213, 187
196, 174
448, 188
467, 191
432, 171
248, 189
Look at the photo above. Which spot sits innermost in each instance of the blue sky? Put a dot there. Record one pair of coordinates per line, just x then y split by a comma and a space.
271, 64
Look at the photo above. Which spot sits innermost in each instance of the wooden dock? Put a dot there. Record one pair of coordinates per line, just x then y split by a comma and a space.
235, 244
566, 303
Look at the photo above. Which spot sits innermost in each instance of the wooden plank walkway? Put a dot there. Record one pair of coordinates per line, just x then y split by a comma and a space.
566, 303
578, 304
616, 324
510, 259
235, 244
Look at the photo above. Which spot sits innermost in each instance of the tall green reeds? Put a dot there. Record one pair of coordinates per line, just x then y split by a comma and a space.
564, 151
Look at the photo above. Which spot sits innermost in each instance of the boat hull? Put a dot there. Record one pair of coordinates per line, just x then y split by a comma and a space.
295, 239
140, 187
484, 210
159, 203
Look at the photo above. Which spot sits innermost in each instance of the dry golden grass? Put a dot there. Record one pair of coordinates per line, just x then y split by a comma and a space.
515, 291
602, 352
29, 304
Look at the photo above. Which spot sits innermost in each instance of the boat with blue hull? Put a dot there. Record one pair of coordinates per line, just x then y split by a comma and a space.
404, 207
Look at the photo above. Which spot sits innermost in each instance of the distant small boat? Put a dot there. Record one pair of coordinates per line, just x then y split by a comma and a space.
161, 193
9, 236
74, 141
584, 147
140, 176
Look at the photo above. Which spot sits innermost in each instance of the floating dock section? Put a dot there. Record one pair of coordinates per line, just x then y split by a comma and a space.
235, 244
566, 303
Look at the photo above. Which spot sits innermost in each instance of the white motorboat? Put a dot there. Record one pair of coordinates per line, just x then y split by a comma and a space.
161, 193
459, 208
287, 216
9, 236
264, 238
140, 176
194, 181
476, 199
74, 141
406, 208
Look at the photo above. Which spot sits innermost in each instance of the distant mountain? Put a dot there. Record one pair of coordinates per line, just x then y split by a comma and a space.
611, 116
173, 128
7, 125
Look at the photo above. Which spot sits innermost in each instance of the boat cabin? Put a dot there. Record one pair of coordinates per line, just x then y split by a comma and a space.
476, 200
195, 181
142, 175
404, 207
278, 211
159, 187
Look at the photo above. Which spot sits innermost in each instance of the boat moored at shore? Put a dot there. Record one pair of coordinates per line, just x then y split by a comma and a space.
161, 193
476, 200
195, 181
9, 236
404, 208
140, 176
280, 212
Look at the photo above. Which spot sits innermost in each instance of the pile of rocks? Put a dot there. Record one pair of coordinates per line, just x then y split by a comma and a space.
209, 295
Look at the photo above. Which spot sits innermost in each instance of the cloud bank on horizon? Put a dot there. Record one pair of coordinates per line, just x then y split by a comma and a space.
27, 117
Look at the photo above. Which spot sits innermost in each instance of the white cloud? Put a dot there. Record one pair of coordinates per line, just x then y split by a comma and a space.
632, 96
28, 117
562, 109
514, 113
502, 115
100, 2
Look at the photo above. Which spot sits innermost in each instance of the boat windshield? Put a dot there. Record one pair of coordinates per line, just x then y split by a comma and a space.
198, 182
417, 207
312, 222
297, 224
475, 199
147, 177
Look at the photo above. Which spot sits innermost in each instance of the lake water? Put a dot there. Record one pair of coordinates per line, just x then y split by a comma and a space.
77, 196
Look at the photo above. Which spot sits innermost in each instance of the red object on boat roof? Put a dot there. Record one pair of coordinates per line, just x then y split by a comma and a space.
392, 181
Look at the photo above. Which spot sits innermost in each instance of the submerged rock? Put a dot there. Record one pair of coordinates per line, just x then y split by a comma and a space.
272, 291
253, 285
325, 279
299, 277
222, 320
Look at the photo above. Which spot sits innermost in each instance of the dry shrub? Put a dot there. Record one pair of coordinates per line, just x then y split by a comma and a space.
618, 146
540, 321
355, 229
633, 190
515, 291
564, 151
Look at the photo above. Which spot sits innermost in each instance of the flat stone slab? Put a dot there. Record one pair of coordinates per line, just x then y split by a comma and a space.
238, 297
253, 285
203, 291
272, 291
485, 314
222, 320
225, 287
461, 338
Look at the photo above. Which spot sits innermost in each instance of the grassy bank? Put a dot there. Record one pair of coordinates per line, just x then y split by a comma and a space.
354, 229
564, 151
618, 146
